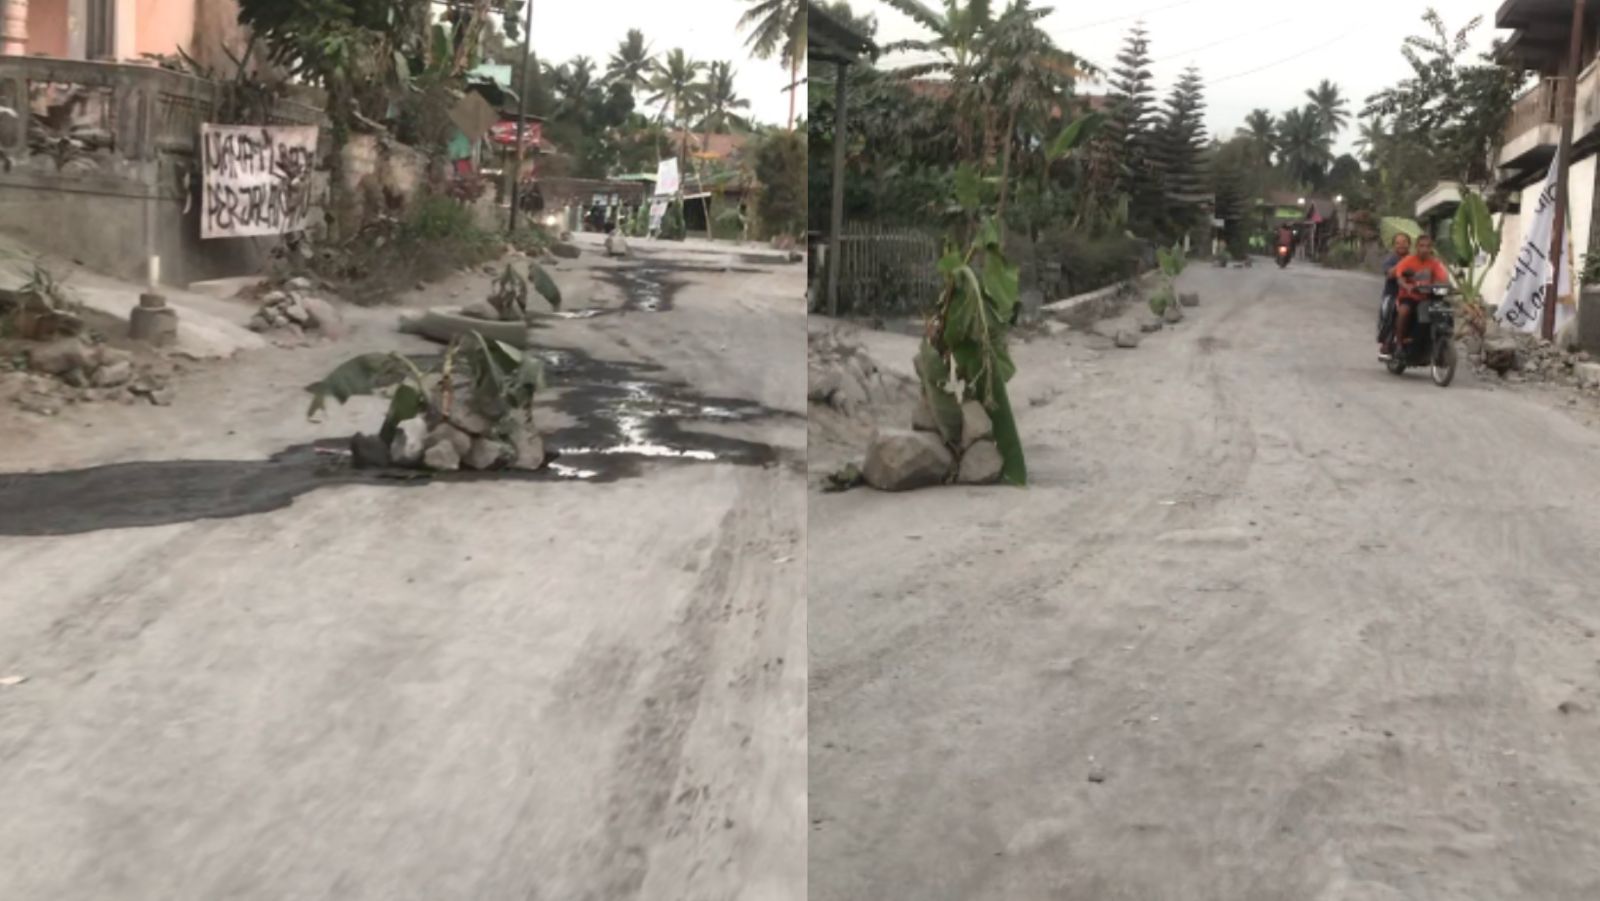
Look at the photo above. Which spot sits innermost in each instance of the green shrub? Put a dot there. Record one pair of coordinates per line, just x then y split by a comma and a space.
729, 225
1088, 264
672, 224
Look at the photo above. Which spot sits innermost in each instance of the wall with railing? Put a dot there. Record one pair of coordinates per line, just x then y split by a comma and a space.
101, 157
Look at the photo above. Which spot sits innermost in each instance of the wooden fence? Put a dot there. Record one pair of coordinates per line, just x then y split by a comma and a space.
887, 271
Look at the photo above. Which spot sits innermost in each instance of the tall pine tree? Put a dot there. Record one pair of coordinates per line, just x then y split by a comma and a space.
1180, 155
1121, 161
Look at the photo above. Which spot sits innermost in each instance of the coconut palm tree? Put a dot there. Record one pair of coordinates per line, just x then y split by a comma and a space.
1369, 142
676, 87
720, 101
632, 63
778, 28
1331, 108
1262, 130
574, 85
1304, 145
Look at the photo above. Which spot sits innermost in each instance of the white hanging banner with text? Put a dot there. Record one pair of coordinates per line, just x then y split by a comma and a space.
1523, 306
256, 180
667, 178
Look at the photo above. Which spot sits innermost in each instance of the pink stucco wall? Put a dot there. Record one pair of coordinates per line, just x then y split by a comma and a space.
163, 26
47, 28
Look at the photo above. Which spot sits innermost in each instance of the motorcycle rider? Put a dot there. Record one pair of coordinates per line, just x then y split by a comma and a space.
1285, 238
1419, 269
1400, 248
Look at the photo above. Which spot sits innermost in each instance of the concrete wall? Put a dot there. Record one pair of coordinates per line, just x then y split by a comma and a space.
1513, 230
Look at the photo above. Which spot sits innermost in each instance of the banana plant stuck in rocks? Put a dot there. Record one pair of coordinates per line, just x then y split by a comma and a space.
472, 409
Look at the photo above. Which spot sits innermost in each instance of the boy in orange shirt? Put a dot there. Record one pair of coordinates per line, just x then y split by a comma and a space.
1420, 269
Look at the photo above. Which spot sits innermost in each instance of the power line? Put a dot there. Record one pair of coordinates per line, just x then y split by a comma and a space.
1288, 59
1137, 15
1231, 37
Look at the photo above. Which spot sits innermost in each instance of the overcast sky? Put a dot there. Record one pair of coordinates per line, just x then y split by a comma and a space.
705, 29
1251, 54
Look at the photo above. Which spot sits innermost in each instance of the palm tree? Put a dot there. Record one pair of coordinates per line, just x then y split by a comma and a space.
574, 83
1369, 143
676, 86
778, 28
721, 101
1262, 130
632, 63
1304, 146
1332, 110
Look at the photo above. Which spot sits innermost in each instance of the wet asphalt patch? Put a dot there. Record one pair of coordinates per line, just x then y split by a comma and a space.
623, 415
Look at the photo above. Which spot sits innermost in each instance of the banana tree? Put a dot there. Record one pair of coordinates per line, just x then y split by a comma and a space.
963, 355
1473, 238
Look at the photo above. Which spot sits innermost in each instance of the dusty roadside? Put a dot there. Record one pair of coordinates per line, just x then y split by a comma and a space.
1268, 623
495, 688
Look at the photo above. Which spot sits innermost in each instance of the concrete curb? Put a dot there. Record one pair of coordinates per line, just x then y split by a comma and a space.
1083, 310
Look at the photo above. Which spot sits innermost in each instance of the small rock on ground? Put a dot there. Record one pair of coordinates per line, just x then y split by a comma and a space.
442, 456
981, 464
975, 423
1189, 299
407, 447
1126, 338
900, 460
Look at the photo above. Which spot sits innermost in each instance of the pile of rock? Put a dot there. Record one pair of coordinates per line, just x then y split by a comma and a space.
841, 374
1519, 356
901, 460
293, 309
55, 374
465, 439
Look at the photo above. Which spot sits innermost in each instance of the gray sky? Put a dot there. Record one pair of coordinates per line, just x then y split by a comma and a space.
705, 29
1354, 43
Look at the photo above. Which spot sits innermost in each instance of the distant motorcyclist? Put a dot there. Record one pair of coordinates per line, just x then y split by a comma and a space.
1400, 248
1416, 271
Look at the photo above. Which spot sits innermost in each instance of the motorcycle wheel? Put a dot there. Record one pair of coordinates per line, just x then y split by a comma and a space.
1444, 365
1396, 365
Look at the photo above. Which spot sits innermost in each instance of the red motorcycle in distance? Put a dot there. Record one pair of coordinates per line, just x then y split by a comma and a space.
1284, 252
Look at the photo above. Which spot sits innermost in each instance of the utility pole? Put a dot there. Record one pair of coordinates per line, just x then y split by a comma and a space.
1558, 230
522, 114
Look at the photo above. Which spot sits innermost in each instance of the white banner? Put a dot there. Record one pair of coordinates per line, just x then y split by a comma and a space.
1523, 306
667, 178
256, 180
658, 209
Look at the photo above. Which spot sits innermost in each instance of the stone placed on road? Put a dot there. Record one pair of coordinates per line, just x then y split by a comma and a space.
1151, 323
445, 433
113, 375
617, 246
902, 459
368, 452
981, 464
409, 443
1127, 338
922, 418
1189, 299
527, 446
62, 356
1502, 354
1173, 314
487, 453
566, 250
442, 456
1588, 374
975, 424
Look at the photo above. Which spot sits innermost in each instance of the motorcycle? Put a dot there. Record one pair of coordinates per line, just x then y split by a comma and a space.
1432, 331
1283, 256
